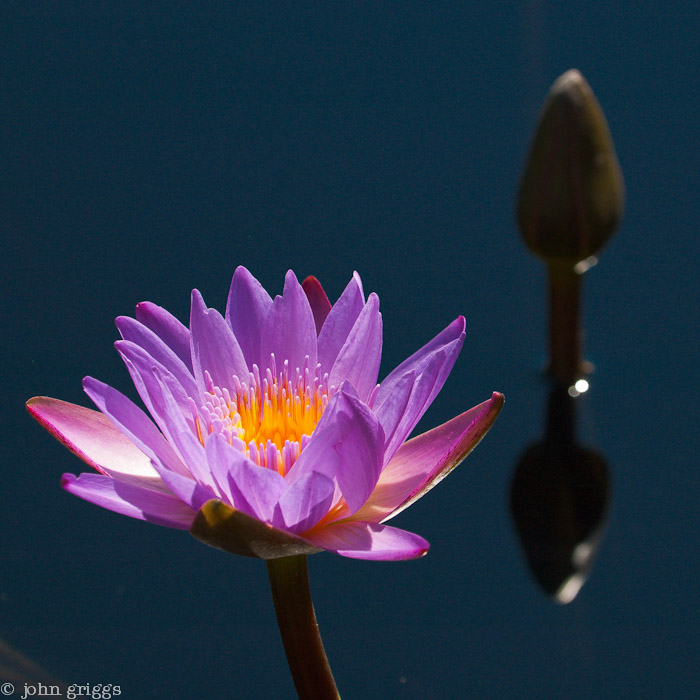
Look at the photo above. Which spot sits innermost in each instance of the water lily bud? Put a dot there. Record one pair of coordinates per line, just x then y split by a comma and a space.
571, 193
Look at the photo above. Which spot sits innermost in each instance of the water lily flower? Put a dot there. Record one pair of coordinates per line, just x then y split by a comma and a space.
269, 435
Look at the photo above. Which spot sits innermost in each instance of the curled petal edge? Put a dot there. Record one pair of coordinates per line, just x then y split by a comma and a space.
223, 527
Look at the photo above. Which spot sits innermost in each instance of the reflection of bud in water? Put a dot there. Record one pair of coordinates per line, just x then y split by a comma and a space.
571, 193
570, 201
559, 498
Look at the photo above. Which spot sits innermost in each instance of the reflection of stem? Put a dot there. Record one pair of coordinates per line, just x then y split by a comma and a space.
289, 581
565, 336
16, 667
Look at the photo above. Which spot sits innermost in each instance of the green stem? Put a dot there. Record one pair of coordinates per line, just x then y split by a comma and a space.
289, 581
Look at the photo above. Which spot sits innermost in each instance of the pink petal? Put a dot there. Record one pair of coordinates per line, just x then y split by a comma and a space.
318, 301
427, 459
290, 331
359, 358
246, 310
168, 328
347, 446
214, 347
339, 323
91, 436
363, 540
127, 499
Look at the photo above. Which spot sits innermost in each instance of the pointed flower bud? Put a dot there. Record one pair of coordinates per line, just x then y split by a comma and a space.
571, 193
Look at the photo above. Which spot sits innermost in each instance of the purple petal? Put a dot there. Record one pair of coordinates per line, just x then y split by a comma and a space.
359, 358
133, 422
453, 332
182, 432
214, 346
255, 490
172, 410
392, 410
194, 494
339, 323
362, 540
127, 499
347, 446
91, 436
142, 369
290, 331
318, 301
246, 310
168, 328
430, 366
428, 458
133, 331
306, 501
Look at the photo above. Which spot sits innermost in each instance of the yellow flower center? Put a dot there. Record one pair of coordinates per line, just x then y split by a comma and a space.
269, 418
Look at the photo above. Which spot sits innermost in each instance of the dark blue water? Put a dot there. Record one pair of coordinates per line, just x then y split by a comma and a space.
148, 148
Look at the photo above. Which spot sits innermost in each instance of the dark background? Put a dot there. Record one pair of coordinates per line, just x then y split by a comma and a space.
148, 148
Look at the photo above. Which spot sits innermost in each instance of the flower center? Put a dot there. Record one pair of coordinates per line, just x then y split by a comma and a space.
270, 418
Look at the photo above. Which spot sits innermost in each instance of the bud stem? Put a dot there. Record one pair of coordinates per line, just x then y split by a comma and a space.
289, 582
565, 334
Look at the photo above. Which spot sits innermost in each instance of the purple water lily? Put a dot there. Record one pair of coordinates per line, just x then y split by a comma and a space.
270, 435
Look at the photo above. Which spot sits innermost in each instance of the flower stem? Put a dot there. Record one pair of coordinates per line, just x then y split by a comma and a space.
289, 582
565, 334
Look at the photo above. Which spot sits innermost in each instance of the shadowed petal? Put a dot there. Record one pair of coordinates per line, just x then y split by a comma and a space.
425, 460
127, 499
346, 446
133, 422
246, 310
318, 301
290, 331
133, 331
362, 540
223, 527
168, 328
91, 436
306, 501
359, 358
340, 321
214, 346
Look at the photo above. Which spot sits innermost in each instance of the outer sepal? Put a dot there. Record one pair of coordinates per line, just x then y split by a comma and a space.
226, 528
